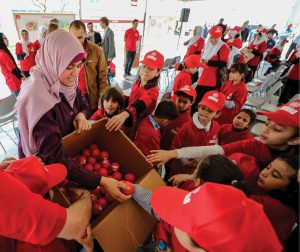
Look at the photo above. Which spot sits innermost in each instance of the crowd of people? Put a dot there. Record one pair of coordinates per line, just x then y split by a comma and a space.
233, 190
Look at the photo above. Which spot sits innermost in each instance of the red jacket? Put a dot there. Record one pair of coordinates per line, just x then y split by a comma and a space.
37, 44
261, 48
169, 132
237, 93
7, 65
294, 71
228, 135
274, 54
99, 114
28, 61
131, 37
148, 135
183, 78
196, 47
209, 74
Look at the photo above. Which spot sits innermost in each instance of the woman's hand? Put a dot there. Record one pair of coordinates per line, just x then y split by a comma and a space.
81, 123
179, 178
87, 241
117, 121
6, 162
161, 156
113, 186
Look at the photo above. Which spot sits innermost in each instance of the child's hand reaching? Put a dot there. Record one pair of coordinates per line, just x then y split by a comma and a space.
87, 241
179, 178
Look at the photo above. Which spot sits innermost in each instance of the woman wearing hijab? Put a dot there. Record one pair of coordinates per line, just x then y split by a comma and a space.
234, 55
258, 46
196, 43
51, 106
42, 31
25, 51
9, 68
215, 56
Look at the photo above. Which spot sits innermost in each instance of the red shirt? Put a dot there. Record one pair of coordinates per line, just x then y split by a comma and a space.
7, 65
182, 79
148, 96
131, 37
228, 135
28, 61
37, 44
273, 52
262, 47
148, 135
81, 81
294, 72
27, 216
209, 75
99, 114
196, 47
237, 93
169, 132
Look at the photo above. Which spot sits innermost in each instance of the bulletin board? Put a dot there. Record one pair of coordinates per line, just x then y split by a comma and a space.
32, 21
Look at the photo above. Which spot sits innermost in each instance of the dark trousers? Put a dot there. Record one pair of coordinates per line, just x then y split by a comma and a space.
201, 90
290, 89
253, 68
130, 55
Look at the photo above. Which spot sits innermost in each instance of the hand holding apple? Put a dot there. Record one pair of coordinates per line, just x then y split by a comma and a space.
113, 187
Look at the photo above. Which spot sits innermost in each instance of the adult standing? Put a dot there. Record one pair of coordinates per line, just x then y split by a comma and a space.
50, 106
215, 56
273, 30
270, 40
12, 74
108, 43
131, 37
287, 33
93, 76
196, 43
254, 33
25, 51
293, 45
245, 30
93, 35
224, 27
42, 32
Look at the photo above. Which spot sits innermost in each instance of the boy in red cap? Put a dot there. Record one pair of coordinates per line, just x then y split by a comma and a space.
148, 133
202, 131
143, 96
187, 68
239, 128
34, 221
185, 98
279, 136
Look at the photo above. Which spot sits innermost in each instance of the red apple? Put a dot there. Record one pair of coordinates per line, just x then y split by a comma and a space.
86, 153
97, 209
93, 146
97, 190
117, 176
104, 155
97, 166
115, 166
89, 167
103, 172
95, 152
92, 160
82, 160
129, 177
105, 164
102, 202
108, 197
128, 191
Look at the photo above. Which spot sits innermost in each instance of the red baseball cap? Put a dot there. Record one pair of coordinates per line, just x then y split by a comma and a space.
214, 100
264, 30
217, 217
194, 61
153, 60
236, 28
216, 31
187, 90
287, 115
37, 177
237, 42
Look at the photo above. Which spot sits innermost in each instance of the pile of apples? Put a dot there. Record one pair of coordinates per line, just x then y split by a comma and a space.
98, 162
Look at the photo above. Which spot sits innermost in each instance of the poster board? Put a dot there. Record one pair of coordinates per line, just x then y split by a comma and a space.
32, 21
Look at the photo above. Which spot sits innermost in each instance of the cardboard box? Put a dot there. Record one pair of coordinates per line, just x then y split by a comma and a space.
121, 227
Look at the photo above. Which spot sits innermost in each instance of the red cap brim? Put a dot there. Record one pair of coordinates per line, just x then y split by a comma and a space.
280, 118
150, 63
210, 105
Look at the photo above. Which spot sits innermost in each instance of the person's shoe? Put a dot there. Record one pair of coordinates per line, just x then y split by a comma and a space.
125, 74
129, 74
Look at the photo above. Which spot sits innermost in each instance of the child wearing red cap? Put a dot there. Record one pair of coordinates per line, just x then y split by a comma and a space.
111, 104
148, 132
235, 55
274, 55
235, 91
279, 136
239, 128
203, 130
215, 56
187, 68
143, 96
185, 98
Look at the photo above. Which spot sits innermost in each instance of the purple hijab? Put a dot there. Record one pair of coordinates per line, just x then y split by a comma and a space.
40, 92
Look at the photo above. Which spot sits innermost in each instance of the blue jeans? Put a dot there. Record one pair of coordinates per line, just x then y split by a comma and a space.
130, 55
15, 93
